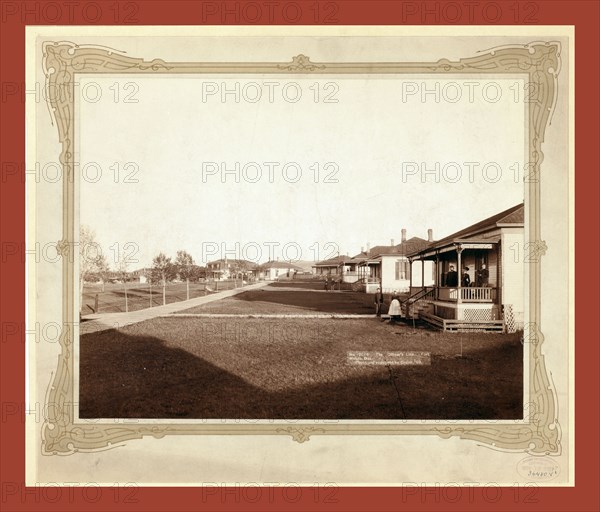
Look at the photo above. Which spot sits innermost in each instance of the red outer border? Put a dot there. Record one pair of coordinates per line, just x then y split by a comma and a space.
15, 497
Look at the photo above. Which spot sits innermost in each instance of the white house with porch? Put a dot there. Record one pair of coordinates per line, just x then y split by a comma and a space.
228, 268
273, 270
492, 298
332, 267
389, 267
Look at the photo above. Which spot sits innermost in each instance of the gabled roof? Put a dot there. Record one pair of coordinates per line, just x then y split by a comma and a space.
279, 264
331, 262
360, 256
514, 216
230, 261
407, 247
379, 249
351, 260
404, 248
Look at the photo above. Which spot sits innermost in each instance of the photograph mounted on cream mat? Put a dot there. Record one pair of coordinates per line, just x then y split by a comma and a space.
289, 242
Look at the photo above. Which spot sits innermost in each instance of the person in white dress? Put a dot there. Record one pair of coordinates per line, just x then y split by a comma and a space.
395, 312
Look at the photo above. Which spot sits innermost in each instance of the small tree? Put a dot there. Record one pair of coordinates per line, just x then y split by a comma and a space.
243, 268
123, 274
103, 270
185, 269
163, 270
148, 275
233, 271
197, 273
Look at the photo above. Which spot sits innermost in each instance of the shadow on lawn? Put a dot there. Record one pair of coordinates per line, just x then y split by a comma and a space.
141, 377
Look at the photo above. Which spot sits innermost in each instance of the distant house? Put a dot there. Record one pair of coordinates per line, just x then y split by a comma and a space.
494, 297
329, 267
389, 267
305, 266
348, 268
140, 275
273, 270
113, 276
226, 268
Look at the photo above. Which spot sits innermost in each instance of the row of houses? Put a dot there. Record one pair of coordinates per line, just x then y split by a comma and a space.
470, 279
227, 268
388, 267
221, 269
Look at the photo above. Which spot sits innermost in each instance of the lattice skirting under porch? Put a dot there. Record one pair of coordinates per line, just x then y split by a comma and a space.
476, 315
509, 318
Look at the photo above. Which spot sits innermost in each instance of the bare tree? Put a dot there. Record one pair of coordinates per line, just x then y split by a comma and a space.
103, 270
91, 259
123, 274
243, 268
185, 269
233, 270
148, 275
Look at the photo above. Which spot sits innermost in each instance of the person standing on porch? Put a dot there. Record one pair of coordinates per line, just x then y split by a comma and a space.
378, 302
452, 277
483, 276
466, 279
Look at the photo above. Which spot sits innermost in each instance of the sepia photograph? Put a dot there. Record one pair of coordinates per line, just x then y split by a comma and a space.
275, 260
304, 239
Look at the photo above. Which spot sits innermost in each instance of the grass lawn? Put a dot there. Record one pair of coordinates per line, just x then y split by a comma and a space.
295, 369
139, 296
272, 300
307, 284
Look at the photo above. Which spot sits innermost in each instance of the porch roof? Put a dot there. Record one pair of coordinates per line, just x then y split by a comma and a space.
278, 264
331, 262
465, 243
372, 261
474, 235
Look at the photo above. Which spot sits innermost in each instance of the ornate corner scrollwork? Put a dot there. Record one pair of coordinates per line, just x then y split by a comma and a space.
300, 434
301, 63
63, 248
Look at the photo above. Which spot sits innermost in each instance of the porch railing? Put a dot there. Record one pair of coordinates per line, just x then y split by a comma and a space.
366, 284
470, 294
351, 277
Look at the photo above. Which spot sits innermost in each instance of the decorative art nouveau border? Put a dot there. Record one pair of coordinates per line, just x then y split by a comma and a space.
537, 62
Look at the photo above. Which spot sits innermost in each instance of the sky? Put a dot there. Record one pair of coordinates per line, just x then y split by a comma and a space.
292, 167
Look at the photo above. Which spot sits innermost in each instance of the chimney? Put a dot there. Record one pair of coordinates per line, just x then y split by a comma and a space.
392, 242
362, 248
430, 235
368, 247
404, 235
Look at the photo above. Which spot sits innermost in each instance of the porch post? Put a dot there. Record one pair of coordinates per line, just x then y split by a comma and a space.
422, 274
459, 252
498, 265
437, 275
410, 276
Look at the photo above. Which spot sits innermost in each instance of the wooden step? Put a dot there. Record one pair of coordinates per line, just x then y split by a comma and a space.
462, 325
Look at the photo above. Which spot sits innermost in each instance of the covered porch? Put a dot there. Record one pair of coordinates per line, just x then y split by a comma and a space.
369, 275
348, 270
466, 294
